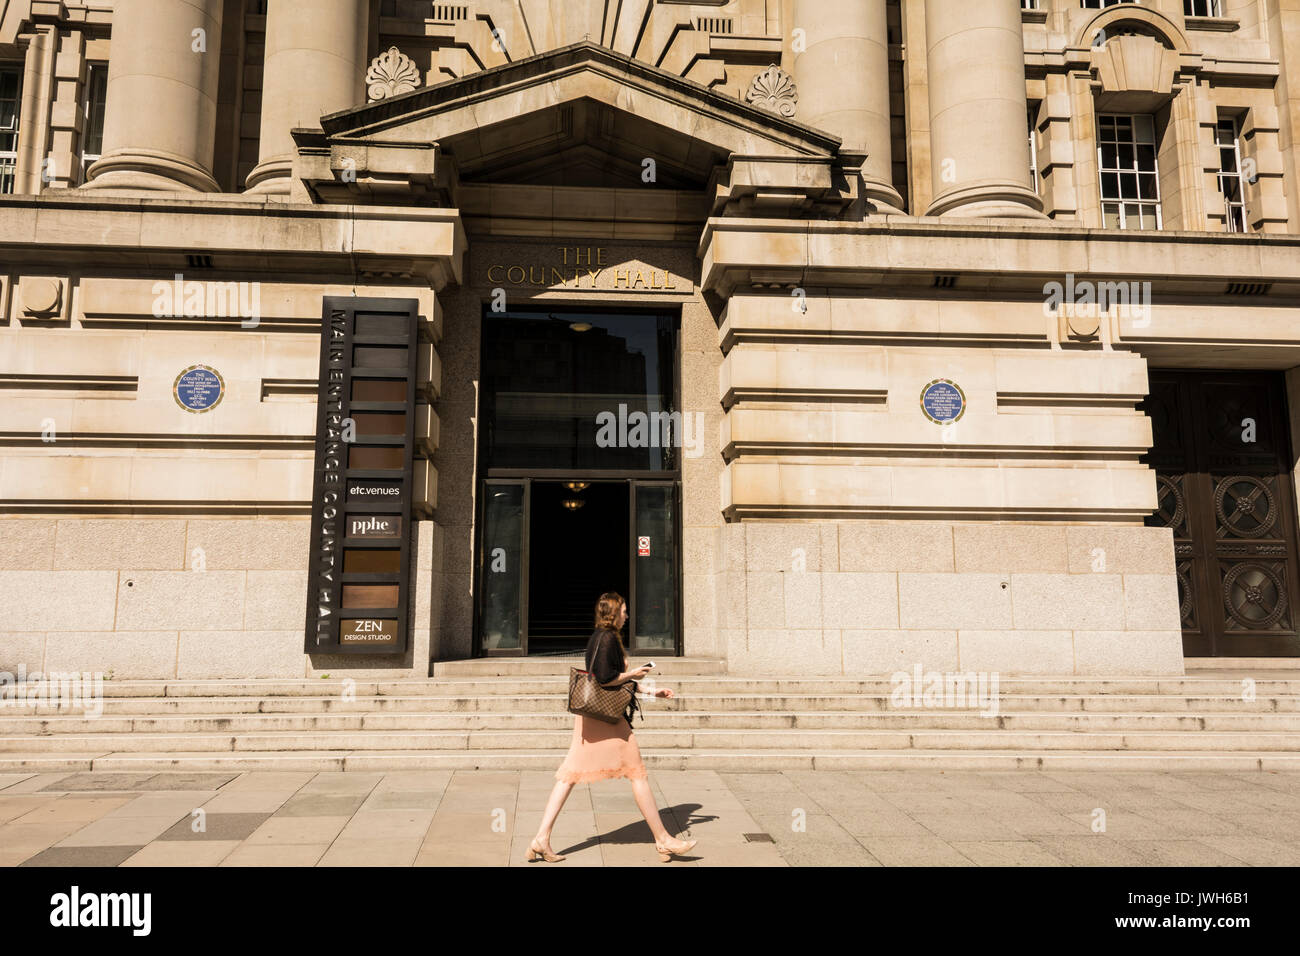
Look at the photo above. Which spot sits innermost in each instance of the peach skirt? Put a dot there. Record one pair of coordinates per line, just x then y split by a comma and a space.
601, 751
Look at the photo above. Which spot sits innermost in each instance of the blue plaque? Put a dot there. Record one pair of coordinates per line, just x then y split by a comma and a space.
199, 389
943, 401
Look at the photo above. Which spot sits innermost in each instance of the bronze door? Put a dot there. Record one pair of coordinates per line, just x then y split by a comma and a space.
1222, 459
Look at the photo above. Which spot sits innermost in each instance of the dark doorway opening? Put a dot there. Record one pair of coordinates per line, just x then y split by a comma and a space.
577, 551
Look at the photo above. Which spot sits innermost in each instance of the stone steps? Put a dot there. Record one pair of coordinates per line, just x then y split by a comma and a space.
736, 761
555, 720
510, 714
553, 702
663, 739
687, 686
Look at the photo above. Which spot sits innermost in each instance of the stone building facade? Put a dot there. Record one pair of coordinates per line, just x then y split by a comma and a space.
873, 233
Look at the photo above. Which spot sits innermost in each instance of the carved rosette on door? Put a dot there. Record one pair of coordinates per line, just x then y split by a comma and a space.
1222, 463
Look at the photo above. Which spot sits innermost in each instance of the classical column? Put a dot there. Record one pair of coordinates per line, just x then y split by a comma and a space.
161, 119
842, 74
315, 64
979, 133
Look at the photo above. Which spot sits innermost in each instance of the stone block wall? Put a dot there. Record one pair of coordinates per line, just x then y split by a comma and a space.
875, 597
185, 598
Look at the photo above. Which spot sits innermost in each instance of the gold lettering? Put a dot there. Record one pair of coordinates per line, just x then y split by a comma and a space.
600, 256
540, 280
557, 276
594, 276
577, 255
491, 277
620, 276
640, 277
654, 276
564, 252
510, 274
667, 284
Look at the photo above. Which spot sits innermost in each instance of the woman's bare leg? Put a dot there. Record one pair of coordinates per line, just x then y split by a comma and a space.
559, 794
645, 801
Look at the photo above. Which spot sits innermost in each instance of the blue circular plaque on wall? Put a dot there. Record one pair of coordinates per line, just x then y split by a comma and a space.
199, 389
943, 401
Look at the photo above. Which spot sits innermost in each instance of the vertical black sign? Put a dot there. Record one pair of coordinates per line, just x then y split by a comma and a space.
359, 572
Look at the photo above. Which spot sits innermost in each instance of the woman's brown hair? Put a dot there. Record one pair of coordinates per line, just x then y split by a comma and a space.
607, 611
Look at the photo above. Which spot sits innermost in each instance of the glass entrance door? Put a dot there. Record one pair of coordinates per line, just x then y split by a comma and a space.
550, 547
503, 581
653, 613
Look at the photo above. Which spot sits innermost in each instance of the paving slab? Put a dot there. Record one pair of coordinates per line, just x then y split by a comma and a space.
216, 827
183, 853
82, 856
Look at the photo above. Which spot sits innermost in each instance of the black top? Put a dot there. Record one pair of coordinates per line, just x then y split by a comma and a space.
605, 661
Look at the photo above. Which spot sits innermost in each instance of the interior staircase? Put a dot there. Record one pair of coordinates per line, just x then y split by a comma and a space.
509, 714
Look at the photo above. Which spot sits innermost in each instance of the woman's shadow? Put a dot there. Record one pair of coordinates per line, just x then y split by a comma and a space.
636, 832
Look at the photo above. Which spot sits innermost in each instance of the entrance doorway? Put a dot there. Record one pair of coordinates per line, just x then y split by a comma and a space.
577, 533
581, 440
1223, 469
551, 548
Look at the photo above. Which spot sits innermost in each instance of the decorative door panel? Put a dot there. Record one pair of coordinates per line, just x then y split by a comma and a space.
1222, 460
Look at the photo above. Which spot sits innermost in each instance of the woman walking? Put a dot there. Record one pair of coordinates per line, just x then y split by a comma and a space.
601, 751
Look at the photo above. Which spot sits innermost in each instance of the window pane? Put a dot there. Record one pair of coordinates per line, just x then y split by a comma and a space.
1147, 186
1126, 156
1110, 211
1143, 129
1109, 186
1146, 157
96, 91
601, 396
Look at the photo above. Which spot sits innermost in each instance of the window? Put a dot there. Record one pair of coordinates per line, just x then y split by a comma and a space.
1098, 4
1202, 8
1028, 4
92, 139
1126, 162
1228, 137
10, 102
1033, 146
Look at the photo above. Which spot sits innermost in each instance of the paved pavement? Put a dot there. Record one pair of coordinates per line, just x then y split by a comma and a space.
794, 818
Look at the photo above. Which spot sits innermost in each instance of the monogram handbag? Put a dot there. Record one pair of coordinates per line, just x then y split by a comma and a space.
589, 697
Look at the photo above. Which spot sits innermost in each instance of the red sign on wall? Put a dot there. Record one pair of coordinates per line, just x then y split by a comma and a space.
643, 546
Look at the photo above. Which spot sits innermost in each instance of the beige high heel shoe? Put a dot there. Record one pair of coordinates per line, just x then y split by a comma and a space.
675, 848
535, 852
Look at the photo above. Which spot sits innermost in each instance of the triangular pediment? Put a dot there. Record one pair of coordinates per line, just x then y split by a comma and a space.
582, 115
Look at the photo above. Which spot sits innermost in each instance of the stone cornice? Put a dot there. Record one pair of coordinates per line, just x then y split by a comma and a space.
254, 237
988, 253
